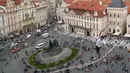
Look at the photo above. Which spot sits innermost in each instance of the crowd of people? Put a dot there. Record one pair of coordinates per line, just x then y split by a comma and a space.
76, 42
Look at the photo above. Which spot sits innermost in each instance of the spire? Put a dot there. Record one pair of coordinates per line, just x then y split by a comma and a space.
117, 4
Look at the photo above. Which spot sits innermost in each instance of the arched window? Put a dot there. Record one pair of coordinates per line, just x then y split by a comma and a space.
110, 15
118, 15
114, 15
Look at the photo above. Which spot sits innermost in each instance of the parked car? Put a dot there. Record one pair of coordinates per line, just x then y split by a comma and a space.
45, 35
15, 50
28, 36
82, 41
45, 31
40, 45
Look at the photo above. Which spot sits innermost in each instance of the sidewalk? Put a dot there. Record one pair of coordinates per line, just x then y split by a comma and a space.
107, 41
86, 64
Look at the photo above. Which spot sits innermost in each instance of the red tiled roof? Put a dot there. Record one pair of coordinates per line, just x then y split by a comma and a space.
3, 2
107, 1
89, 6
35, 2
69, 1
97, 7
17, 2
80, 5
127, 3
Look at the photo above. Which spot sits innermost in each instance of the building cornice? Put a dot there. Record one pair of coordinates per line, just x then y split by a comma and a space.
117, 9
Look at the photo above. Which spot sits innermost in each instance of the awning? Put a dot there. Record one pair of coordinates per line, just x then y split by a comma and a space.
117, 33
127, 35
60, 22
11, 36
16, 33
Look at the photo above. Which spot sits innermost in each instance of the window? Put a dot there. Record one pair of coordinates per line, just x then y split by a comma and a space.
114, 15
118, 15
129, 26
109, 30
94, 26
110, 15
97, 26
129, 32
93, 34
118, 30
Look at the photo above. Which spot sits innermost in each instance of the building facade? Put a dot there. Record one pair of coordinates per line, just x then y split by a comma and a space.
2, 16
85, 18
41, 13
60, 11
21, 16
94, 17
26, 17
117, 16
128, 27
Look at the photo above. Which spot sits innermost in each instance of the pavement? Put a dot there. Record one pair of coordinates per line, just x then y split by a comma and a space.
16, 65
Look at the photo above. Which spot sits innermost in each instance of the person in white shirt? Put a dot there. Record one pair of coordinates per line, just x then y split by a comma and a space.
99, 44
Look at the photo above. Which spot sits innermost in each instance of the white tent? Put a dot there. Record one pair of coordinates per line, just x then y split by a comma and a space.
38, 30
60, 21
117, 33
11, 36
127, 35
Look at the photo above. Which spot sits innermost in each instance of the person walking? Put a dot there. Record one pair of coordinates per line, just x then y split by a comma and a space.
99, 44
2, 72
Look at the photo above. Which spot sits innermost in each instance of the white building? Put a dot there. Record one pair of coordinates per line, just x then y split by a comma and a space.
21, 16
41, 13
117, 14
10, 16
86, 18
2, 28
128, 27
60, 11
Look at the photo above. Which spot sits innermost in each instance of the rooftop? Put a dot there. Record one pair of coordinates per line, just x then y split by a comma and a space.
117, 4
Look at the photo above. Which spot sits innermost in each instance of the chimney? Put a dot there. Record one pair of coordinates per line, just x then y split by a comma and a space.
95, 13
100, 3
104, 12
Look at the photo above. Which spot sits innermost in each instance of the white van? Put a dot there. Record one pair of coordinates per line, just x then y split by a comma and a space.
45, 35
40, 45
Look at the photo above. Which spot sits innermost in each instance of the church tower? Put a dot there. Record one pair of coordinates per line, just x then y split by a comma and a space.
117, 14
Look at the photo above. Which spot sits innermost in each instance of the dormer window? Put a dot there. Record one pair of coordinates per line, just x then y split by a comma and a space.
67, 9
100, 2
95, 13
104, 12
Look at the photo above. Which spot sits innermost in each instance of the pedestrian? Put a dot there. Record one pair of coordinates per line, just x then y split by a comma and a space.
2, 60
6, 64
15, 57
96, 65
5, 59
18, 54
2, 71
